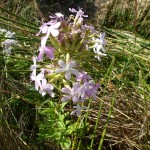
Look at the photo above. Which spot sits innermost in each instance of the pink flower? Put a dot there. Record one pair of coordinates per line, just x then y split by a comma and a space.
83, 77
89, 89
71, 93
93, 89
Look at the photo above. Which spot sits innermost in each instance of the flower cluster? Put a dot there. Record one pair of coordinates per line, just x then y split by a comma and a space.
8, 43
68, 37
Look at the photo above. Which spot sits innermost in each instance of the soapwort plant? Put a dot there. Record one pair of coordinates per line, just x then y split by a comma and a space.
58, 71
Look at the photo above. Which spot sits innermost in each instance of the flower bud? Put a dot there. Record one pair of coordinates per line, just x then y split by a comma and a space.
55, 78
67, 43
67, 58
53, 40
78, 46
62, 48
79, 22
74, 42
64, 82
50, 76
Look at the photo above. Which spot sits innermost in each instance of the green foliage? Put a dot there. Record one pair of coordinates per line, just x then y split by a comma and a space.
56, 124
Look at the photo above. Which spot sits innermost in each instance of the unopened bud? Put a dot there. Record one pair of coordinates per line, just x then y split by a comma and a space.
50, 76
78, 46
67, 58
53, 40
74, 42
67, 43
55, 78
62, 48
64, 82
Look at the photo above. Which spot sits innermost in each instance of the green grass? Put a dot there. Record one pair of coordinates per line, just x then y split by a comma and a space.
118, 119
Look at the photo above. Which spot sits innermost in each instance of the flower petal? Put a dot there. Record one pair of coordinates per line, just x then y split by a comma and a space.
41, 54
66, 98
74, 71
49, 87
56, 25
67, 75
33, 76
44, 28
43, 41
59, 15
49, 52
44, 82
75, 99
61, 63
42, 92
72, 10
54, 32
72, 64
60, 70
66, 90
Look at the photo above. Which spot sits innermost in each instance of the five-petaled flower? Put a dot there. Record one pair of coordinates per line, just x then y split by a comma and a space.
46, 88
71, 93
67, 68
83, 77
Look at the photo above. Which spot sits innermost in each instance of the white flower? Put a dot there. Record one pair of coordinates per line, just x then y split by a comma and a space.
46, 29
99, 46
9, 34
78, 110
37, 79
8, 45
67, 68
33, 68
46, 88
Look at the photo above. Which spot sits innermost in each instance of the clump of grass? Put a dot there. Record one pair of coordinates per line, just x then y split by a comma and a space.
128, 15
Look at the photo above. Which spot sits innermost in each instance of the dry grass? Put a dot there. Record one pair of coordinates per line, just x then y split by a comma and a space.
128, 127
126, 81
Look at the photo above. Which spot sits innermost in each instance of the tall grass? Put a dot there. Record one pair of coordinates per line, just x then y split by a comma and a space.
118, 119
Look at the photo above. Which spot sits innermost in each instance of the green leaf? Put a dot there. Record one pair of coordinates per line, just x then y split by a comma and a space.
71, 128
65, 144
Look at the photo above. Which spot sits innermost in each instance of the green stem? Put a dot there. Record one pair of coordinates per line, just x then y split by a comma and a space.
15, 71
106, 126
22, 24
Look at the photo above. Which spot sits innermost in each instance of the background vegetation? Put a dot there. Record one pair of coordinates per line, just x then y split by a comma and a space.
119, 118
